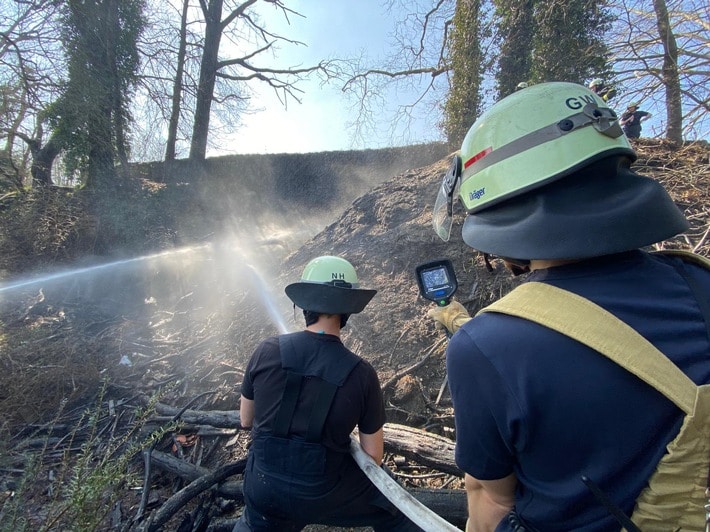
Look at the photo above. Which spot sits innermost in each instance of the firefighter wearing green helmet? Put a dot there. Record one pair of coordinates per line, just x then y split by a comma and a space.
598, 87
303, 394
553, 432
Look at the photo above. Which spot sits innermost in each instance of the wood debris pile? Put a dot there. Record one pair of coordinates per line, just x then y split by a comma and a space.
174, 370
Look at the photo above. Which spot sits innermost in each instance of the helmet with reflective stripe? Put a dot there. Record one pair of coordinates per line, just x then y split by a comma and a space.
329, 285
533, 137
545, 174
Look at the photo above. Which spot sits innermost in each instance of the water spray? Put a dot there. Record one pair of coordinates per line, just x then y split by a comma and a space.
41, 279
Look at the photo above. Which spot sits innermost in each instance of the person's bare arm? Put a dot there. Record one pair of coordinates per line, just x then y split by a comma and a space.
489, 501
374, 445
246, 412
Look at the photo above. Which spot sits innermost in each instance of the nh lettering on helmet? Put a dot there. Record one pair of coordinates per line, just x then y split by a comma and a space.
337, 276
579, 102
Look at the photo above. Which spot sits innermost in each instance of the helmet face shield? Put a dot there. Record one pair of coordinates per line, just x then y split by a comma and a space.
442, 215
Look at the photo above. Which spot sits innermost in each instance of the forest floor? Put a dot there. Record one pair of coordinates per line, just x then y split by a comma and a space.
64, 430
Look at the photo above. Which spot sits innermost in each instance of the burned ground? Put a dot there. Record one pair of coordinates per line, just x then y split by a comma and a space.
60, 344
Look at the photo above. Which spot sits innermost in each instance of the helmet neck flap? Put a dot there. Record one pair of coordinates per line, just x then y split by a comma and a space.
602, 209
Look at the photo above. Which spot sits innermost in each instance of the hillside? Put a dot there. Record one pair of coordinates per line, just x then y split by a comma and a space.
177, 329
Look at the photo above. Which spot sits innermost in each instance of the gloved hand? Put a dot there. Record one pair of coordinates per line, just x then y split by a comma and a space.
451, 317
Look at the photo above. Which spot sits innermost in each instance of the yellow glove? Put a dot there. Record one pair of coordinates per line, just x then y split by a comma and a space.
451, 317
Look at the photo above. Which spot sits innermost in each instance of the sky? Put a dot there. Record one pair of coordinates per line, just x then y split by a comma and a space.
346, 29
331, 28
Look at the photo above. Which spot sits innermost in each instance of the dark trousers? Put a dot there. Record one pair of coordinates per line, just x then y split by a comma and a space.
282, 502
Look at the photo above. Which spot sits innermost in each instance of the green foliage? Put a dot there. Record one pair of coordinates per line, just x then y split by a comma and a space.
85, 486
568, 42
463, 104
537, 41
516, 27
90, 116
551, 41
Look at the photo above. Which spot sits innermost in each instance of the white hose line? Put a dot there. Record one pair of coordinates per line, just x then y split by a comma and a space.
418, 513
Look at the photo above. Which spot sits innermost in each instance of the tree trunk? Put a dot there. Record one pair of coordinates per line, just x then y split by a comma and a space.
177, 87
427, 449
671, 79
42, 161
208, 71
113, 29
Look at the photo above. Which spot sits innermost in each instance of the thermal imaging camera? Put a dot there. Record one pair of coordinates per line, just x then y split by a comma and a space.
437, 281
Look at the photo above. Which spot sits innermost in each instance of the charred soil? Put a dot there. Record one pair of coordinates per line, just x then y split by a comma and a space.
83, 379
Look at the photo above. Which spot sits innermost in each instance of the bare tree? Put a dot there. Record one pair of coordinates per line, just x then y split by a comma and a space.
468, 43
243, 25
669, 72
419, 66
31, 68
177, 85
661, 56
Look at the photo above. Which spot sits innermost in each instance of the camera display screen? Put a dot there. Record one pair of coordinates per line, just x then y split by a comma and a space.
434, 278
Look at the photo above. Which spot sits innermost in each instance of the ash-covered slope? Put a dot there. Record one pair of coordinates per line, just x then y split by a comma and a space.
387, 232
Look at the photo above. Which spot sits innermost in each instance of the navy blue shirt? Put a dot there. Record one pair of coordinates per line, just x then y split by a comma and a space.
536, 403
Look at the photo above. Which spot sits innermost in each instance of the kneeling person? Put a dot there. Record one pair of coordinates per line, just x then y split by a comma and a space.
304, 393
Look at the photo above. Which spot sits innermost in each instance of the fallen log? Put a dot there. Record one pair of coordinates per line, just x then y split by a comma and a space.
182, 497
226, 419
449, 504
418, 513
229, 489
425, 448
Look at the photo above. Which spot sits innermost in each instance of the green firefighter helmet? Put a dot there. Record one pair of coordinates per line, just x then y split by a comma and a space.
544, 174
329, 285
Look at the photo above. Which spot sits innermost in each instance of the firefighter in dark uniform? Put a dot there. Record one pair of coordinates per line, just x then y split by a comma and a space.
303, 394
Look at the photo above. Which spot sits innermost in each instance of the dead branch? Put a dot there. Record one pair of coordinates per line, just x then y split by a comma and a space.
177, 501
422, 447
191, 472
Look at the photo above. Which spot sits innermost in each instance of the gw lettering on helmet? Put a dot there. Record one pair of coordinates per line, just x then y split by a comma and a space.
337, 275
477, 194
579, 102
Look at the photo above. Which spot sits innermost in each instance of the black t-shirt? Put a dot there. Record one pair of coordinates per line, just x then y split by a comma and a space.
358, 402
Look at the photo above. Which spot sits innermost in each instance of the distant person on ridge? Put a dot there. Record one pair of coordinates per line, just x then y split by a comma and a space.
631, 120
605, 92
581, 398
303, 394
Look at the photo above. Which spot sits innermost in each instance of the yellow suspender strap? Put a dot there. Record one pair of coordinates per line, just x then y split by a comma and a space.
588, 323
687, 256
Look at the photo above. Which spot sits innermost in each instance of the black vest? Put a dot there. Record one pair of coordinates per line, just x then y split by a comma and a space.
304, 356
